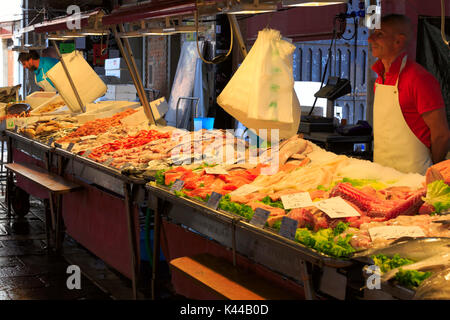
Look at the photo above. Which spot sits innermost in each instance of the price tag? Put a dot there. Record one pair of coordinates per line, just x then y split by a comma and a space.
214, 200
395, 232
216, 170
288, 228
50, 141
336, 208
260, 217
297, 200
70, 146
244, 190
177, 185
87, 153
108, 161
10, 124
57, 145
88, 137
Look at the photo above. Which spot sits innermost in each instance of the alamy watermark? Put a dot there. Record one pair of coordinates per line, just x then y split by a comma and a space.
75, 22
217, 147
373, 17
374, 280
74, 280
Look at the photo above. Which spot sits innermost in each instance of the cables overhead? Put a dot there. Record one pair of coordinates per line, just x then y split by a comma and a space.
220, 58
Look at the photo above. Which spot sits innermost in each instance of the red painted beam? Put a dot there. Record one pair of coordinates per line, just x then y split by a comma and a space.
60, 24
157, 9
299, 24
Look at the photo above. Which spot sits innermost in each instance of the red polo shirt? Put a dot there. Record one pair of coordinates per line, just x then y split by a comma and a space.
419, 92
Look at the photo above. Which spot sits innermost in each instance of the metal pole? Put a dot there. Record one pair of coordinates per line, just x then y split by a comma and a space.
131, 64
156, 242
69, 77
131, 236
237, 32
307, 285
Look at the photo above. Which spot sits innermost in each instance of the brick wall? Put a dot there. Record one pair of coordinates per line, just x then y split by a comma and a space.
157, 56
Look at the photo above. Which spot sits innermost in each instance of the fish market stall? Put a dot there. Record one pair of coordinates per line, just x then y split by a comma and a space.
388, 203
380, 206
310, 221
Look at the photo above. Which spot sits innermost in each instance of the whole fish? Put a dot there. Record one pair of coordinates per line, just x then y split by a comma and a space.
437, 262
436, 287
416, 249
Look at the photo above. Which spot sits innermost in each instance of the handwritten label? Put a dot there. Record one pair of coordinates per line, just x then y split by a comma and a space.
244, 190
395, 232
50, 141
259, 217
214, 200
336, 208
57, 145
177, 185
88, 137
288, 228
216, 170
70, 146
87, 153
297, 200
10, 124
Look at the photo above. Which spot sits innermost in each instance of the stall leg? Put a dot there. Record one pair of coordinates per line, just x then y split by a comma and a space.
9, 178
307, 283
131, 236
59, 227
156, 243
48, 225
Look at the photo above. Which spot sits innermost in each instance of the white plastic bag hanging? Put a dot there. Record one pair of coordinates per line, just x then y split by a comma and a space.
273, 78
261, 92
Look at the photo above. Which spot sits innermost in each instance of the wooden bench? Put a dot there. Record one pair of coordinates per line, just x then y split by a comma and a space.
228, 282
55, 185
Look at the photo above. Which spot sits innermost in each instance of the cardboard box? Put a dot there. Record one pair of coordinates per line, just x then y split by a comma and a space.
121, 96
88, 84
121, 88
37, 98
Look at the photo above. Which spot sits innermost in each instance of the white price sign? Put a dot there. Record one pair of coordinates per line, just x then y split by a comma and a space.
297, 200
245, 190
395, 232
216, 170
336, 208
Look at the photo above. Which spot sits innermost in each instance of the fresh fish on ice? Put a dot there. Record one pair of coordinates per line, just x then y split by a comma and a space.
416, 249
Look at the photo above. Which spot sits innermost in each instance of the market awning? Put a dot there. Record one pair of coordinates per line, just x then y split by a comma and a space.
149, 10
60, 24
298, 24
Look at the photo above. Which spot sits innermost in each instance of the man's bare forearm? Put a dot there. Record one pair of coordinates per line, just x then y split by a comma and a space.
439, 147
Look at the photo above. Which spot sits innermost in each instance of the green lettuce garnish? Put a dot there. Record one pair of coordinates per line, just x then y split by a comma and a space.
159, 177
327, 241
438, 195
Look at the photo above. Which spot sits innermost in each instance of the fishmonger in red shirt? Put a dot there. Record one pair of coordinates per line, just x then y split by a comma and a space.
410, 123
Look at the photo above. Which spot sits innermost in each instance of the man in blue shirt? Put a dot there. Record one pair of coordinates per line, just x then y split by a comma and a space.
40, 66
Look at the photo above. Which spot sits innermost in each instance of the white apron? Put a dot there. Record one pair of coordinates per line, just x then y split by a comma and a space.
395, 145
44, 84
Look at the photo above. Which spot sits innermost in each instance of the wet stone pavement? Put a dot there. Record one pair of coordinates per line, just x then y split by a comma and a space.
28, 272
